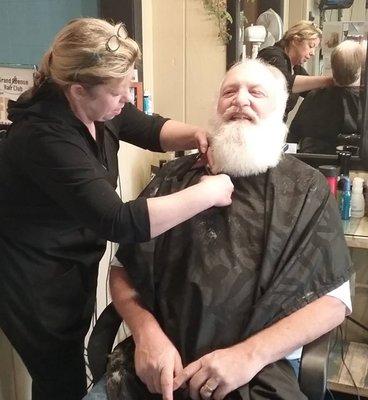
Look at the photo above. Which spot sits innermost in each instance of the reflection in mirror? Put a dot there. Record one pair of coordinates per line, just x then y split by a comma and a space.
325, 120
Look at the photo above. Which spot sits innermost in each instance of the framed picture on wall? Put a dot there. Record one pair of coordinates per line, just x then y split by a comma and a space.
15, 79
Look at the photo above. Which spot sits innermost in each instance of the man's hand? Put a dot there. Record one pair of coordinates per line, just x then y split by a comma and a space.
216, 374
157, 362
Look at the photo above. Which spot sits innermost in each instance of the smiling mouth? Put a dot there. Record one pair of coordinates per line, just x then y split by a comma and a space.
237, 117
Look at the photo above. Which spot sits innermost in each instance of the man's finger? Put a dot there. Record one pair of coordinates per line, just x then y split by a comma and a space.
178, 366
187, 373
167, 382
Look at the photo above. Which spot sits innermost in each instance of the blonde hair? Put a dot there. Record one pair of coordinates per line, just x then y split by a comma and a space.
81, 53
346, 62
303, 30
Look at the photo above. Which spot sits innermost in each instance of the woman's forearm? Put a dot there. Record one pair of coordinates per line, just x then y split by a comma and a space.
176, 136
168, 211
304, 83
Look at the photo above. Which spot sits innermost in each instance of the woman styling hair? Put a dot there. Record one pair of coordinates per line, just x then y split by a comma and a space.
326, 113
297, 46
58, 205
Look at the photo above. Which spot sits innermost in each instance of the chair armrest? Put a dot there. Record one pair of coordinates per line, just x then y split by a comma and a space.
313, 367
101, 341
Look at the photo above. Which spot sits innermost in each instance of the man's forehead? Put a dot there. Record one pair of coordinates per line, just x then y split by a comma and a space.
249, 73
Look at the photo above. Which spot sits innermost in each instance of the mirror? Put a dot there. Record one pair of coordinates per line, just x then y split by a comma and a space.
337, 25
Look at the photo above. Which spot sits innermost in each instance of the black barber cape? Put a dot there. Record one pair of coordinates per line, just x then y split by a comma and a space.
230, 272
324, 114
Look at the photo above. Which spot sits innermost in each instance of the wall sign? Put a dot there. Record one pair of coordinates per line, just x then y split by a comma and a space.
14, 80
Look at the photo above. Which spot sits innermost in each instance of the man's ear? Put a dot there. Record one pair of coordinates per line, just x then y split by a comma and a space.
77, 91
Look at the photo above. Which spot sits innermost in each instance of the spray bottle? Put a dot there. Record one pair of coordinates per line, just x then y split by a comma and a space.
330, 172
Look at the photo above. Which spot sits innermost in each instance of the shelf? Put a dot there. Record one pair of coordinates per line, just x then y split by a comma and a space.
356, 358
137, 92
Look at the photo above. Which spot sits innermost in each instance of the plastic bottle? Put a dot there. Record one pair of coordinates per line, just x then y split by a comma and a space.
330, 172
365, 193
344, 161
343, 186
345, 198
147, 103
357, 198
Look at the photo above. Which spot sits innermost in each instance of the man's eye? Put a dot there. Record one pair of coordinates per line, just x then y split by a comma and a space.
258, 93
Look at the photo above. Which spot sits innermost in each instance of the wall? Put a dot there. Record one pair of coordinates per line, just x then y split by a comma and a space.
22, 40
188, 60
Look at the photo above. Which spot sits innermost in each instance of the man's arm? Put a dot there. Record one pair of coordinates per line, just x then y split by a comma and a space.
156, 358
230, 368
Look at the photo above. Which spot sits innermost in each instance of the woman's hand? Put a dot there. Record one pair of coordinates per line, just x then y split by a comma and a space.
219, 188
168, 211
200, 137
216, 374
157, 362
176, 136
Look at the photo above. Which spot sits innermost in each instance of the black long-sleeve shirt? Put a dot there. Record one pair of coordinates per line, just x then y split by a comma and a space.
58, 206
276, 56
51, 168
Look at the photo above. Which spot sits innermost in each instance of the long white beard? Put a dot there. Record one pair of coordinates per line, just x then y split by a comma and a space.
240, 148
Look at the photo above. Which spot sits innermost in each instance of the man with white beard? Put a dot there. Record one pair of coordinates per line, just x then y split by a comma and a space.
225, 300
248, 134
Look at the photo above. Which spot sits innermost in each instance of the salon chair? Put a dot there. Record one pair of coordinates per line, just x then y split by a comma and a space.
313, 366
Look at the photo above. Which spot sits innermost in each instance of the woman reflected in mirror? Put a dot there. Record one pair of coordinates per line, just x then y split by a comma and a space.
328, 114
297, 46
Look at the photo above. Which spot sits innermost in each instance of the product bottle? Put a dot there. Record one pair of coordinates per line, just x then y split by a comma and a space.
357, 198
330, 172
344, 161
345, 198
365, 194
343, 186
147, 102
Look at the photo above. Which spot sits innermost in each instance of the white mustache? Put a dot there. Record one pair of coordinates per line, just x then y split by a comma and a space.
235, 112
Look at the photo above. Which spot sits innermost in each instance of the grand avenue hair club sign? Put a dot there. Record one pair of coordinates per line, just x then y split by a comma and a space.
14, 80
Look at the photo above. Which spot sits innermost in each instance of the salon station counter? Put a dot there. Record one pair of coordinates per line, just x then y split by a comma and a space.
356, 232
355, 331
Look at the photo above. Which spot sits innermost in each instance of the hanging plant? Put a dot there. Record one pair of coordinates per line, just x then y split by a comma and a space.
217, 9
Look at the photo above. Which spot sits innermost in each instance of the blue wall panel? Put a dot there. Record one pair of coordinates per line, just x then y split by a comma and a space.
27, 27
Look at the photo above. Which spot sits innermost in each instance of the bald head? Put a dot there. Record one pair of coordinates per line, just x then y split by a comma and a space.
252, 90
248, 130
